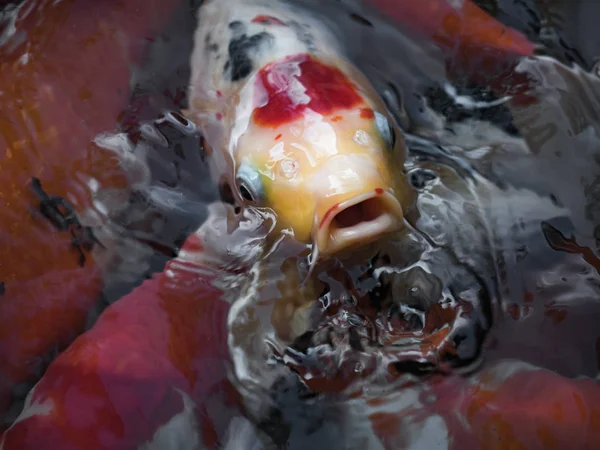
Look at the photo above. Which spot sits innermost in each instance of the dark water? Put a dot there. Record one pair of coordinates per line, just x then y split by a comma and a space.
500, 252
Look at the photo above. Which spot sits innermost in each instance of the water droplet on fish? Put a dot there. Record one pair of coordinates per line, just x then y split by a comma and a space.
361, 138
289, 167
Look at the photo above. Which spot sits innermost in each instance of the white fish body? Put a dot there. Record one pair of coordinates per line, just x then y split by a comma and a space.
231, 48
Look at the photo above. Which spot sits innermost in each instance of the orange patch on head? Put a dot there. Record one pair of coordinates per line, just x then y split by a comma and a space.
367, 113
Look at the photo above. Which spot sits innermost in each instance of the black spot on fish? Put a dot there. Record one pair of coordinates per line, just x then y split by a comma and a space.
2, 289
239, 65
62, 216
209, 45
304, 35
237, 27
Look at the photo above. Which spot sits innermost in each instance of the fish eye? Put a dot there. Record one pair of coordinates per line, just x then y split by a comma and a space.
385, 130
249, 183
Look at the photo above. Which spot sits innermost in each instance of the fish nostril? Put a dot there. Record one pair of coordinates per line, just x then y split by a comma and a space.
365, 211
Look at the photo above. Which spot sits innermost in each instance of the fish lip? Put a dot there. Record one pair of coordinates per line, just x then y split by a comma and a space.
371, 231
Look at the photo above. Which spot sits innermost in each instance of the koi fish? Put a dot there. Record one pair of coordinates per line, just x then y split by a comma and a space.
292, 126
151, 373
55, 99
298, 139
473, 42
462, 28
509, 404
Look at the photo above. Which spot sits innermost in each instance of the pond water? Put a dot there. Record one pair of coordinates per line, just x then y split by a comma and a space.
475, 326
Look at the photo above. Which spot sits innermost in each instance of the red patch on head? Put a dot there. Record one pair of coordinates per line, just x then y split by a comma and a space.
379, 191
328, 213
278, 137
299, 83
336, 118
219, 116
367, 113
267, 20
219, 94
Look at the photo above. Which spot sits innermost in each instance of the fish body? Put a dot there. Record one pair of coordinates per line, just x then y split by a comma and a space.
299, 137
55, 99
150, 374
508, 404
472, 42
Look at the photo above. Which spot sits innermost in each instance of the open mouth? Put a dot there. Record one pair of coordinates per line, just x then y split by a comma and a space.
380, 326
360, 220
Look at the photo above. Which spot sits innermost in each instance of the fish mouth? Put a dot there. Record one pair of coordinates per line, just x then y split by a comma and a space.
357, 222
361, 337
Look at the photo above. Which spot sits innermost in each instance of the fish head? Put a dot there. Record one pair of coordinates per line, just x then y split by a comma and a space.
324, 154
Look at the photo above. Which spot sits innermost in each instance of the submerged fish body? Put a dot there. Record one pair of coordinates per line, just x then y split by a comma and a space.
150, 374
472, 42
54, 102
